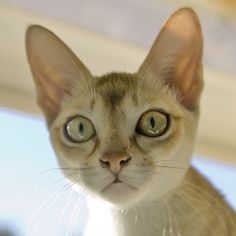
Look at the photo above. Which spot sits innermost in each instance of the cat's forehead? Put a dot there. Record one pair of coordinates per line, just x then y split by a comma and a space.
114, 87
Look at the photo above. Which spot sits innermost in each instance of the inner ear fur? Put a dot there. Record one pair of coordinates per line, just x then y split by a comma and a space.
176, 56
55, 69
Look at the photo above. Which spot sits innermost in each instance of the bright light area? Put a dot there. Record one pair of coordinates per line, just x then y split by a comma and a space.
35, 200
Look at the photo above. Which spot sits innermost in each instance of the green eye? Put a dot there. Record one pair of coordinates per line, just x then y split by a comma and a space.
153, 124
79, 129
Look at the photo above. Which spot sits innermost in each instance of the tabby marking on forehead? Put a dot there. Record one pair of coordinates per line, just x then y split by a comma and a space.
113, 87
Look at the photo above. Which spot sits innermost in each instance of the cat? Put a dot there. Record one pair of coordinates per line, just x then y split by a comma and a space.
126, 140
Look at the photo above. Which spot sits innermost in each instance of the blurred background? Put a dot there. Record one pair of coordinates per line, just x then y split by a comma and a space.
106, 35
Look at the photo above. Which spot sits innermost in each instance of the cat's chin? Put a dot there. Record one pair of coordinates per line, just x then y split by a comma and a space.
119, 193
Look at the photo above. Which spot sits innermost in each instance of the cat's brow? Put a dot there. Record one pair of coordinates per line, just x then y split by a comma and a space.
92, 103
113, 99
114, 87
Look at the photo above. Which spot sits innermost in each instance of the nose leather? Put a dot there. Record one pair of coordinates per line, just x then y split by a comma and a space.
115, 161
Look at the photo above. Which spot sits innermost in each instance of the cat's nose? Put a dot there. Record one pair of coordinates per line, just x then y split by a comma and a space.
115, 161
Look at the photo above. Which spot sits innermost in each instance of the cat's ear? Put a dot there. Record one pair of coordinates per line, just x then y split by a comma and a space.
176, 56
55, 69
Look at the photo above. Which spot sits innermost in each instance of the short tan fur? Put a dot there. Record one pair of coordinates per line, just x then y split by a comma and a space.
127, 139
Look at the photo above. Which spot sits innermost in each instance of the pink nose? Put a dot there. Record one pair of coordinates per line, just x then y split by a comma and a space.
115, 161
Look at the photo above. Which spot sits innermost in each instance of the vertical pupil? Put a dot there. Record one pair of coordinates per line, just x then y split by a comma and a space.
81, 128
152, 122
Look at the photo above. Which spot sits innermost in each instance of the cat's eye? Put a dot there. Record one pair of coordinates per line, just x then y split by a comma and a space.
153, 123
79, 129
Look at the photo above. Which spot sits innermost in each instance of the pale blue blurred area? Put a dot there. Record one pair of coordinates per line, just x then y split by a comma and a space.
221, 175
27, 181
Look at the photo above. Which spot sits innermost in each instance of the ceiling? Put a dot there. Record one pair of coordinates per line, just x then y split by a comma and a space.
115, 35
138, 21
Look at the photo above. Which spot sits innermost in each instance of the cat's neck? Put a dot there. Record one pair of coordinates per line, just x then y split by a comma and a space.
179, 213
109, 220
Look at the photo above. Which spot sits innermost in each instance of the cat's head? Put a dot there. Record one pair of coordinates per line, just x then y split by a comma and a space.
123, 137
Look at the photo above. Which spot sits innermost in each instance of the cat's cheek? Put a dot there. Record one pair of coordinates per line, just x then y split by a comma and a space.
76, 155
149, 146
162, 144
95, 180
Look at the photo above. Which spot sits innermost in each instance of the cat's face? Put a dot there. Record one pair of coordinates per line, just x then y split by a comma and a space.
158, 155
123, 137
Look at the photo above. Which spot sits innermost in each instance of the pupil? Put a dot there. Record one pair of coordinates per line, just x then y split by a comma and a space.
81, 128
152, 122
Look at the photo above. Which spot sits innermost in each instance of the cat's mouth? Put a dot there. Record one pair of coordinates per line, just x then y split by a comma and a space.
118, 191
118, 182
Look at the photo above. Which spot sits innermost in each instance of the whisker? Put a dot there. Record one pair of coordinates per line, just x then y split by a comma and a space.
69, 200
65, 177
136, 216
205, 198
170, 224
165, 225
82, 194
175, 220
196, 188
164, 231
40, 207
56, 182
171, 167
76, 213
71, 220
171, 161
184, 196
64, 168
53, 171
71, 184
51, 199
44, 213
